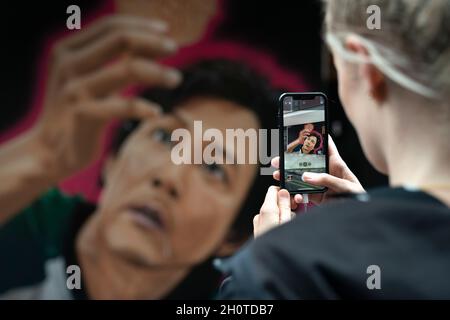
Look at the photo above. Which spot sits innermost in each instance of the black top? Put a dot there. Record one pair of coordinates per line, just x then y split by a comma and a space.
325, 253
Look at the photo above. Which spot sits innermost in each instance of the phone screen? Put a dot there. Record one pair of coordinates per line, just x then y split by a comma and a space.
304, 139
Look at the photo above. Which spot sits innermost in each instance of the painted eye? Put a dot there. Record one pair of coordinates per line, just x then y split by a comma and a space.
215, 170
162, 135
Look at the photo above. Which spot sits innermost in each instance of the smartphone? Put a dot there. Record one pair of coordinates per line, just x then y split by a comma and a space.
303, 125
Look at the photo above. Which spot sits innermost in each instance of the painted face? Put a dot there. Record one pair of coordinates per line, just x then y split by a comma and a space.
309, 144
161, 214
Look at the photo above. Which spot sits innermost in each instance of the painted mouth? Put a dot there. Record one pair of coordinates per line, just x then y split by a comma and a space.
147, 216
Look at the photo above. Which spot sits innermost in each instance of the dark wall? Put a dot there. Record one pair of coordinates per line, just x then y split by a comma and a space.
23, 27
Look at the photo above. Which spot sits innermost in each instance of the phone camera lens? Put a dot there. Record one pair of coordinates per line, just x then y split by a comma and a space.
288, 102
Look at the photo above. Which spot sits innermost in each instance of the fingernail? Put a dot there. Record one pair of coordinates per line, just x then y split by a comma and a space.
284, 195
272, 162
150, 108
308, 176
173, 77
160, 25
169, 45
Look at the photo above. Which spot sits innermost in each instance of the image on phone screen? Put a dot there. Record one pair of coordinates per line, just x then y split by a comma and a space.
304, 127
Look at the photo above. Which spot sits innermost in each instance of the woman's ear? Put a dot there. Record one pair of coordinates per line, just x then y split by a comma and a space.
372, 77
376, 83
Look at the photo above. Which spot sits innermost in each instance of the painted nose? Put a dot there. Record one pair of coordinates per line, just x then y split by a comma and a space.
167, 186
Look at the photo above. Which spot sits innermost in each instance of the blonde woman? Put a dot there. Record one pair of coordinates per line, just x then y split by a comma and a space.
387, 243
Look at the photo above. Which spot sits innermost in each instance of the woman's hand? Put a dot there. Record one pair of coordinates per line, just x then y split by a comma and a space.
275, 210
88, 72
303, 135
340, 179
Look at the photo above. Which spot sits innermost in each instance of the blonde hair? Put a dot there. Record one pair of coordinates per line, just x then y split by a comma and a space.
412, 47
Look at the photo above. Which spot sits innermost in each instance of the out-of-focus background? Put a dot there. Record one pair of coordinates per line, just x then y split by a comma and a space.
288, 30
